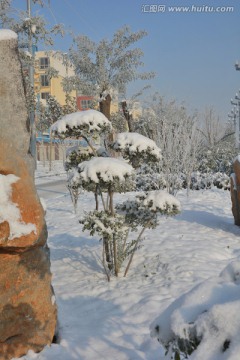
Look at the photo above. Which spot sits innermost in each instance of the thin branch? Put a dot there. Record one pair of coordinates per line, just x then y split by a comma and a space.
134, 250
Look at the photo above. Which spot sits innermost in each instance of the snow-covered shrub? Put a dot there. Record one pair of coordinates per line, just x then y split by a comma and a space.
149, 177
76, 155
217, 158
208, 180
205, 322
137, 148
221, 181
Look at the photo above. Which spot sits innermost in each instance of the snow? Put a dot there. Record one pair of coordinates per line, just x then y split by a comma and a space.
237, 158
92, 119
161, 200
9, 211
106, 169
211, 310
111, 320
234, 180
135, 142
6, 34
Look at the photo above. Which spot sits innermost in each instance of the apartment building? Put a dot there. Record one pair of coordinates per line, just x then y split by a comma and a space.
43, 86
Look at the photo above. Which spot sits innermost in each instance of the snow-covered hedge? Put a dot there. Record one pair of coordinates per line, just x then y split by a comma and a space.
205, 322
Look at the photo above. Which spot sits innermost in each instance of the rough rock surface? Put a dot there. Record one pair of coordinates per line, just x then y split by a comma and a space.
28, 313
235, 191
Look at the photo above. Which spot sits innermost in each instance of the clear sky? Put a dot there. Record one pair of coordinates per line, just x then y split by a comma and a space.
193, 52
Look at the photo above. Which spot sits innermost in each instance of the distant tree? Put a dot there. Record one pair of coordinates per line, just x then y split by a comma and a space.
175, 132
107, 66
39, 30
212, 129
19, 21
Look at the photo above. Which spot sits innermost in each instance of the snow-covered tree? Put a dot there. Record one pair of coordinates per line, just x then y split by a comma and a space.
19, 21
217, 151
107, 66
105, 176
52, 112
211, 128
175, 132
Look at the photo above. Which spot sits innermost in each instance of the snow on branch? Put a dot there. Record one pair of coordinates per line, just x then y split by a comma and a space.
81, 122
143, 210
162, 201
136, 148
105, 169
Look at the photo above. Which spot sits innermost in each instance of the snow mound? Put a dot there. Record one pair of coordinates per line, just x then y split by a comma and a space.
9, 211
92, 120
106, 169
206, 318
6, 34
136, 143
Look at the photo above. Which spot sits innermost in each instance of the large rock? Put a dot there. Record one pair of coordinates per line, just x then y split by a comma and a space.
28, 313
235, 191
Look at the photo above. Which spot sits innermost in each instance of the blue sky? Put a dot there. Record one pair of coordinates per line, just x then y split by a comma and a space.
192, 53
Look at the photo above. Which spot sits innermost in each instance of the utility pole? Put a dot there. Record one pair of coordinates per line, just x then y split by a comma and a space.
233, 118
31, 78
236, 103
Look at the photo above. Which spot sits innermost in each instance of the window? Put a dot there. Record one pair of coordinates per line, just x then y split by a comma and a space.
45, 80
44, 63
85, 104
44, 95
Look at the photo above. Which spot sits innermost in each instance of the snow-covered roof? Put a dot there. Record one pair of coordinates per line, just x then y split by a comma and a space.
135, 142
6, 34
9, 211
106, 169
93, 120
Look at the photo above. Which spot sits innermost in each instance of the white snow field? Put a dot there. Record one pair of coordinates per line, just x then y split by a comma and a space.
100, 320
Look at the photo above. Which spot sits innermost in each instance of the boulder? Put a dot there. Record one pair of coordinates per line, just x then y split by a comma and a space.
28, 312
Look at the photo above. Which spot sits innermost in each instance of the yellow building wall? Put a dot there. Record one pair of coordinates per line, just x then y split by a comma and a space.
55, 88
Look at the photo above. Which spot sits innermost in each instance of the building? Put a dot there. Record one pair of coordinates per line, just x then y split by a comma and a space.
43, 86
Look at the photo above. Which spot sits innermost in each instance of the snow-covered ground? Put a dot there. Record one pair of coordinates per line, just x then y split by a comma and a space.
100, 320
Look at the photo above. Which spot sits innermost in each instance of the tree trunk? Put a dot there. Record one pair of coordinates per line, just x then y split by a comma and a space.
127, 116
105, 105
